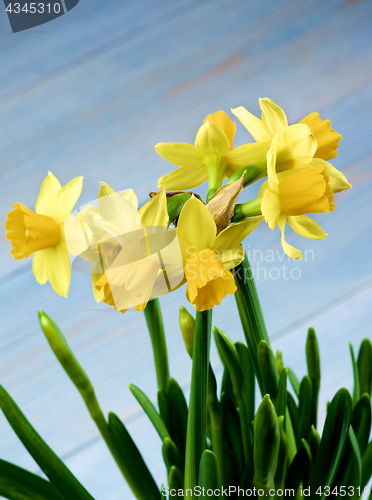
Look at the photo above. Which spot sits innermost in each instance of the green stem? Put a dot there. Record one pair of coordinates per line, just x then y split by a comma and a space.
197, 416
155, 325
216, 424
248, 209
254, 328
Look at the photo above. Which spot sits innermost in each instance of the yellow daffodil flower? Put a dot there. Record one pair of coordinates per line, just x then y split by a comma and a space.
288, 196
42, 232
208, 257
307, 144
143, 259
212, 157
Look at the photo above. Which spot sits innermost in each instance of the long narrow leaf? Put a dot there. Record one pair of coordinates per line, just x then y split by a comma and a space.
137, 475
19, 484
50, 464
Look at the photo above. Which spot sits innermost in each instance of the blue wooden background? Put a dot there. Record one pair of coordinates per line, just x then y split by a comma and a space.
90, 94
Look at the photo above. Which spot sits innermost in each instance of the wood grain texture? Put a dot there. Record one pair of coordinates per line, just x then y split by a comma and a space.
90, 94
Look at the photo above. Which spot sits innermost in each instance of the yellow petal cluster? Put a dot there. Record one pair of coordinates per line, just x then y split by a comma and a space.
288, 196
306, 144
208, 257
212, 157
42, 232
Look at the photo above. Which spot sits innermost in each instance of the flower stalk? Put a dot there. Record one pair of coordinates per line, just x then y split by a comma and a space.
197, 416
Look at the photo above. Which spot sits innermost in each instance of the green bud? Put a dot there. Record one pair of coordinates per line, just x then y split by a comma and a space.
282, 456
267, 365
279, 362
266, 445
69, 363
365, 367
175, 204
187, 325
253, 173
313, 368
171, 455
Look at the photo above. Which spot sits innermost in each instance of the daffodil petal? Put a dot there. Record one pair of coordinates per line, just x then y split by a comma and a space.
291, 251
271, 165
253, 124
306, 227
59, 269
273, 117
247, 154
118, 213
197, 224
130, 196
337, 180
222, 120
66, 199
184, 178
179, 153
77, 240
271, 208
233, 235
211, 139
232, 258
40, 265
154, 212
47, 195
300, 143
98, 294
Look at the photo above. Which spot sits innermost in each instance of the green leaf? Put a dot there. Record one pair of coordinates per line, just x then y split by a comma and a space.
334, 439
20, 484
268, 371
367, 465
154, 320
150, 411
209, 475
46, 459
297, 470
281, 402
69, 363
232, 430
138, 475
163, 408
279, 362
361, 421
171, 454
266, 445
216, 424
313, 369
177, 408
356, 393
305, 409
355, 476
250, 313
365, 367
227, 387
293, 412
230, 358
314, 442
282, 456
294, 381
175, 480
249, 385
197, 415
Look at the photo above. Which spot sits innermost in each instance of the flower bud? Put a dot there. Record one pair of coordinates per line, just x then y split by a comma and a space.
187, 325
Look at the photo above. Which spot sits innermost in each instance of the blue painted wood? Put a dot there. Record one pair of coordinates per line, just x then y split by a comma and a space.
91, 94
